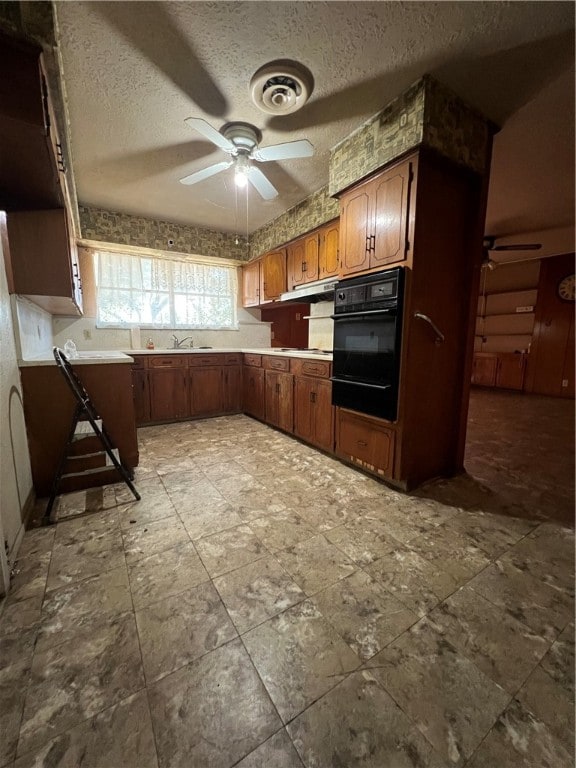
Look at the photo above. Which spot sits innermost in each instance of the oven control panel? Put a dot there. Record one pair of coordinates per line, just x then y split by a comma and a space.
367, 292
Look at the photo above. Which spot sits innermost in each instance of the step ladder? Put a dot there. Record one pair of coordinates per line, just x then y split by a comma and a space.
88, 442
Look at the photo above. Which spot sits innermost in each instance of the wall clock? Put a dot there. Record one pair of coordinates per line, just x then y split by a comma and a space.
567, 288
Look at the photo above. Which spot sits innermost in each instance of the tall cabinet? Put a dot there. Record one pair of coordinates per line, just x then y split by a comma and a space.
423, 213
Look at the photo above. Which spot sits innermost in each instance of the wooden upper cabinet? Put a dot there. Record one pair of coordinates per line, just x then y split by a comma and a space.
374, 221
273, 275
295, 260
44, 260
251, 284
328, 263
355, 230
311, 253
390, 201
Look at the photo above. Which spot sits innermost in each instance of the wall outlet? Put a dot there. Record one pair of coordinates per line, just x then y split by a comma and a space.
87, 333
403, 119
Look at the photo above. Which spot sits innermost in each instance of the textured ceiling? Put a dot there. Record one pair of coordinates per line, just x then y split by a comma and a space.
134, 71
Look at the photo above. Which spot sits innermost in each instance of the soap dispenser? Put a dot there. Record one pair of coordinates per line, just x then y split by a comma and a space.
149, 344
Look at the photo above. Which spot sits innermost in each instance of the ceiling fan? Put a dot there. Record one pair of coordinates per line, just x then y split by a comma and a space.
240, 141
489, 245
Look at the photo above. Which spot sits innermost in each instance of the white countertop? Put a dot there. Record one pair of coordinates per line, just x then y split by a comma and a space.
98, 357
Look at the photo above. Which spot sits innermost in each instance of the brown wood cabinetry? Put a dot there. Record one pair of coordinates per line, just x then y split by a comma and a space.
313, 411
141, 389
43, 260
279, 397
374, 221
273, 275
168, 393
499, 369
253, 400
48, 409
232, 389
365, 441
206, 391
251, 284
303, 260
328, 258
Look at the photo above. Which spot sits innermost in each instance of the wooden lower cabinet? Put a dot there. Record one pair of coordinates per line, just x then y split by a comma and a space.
253, 401
499, 369
313, 412
279, 399
141, 394
206, 391
365, 441
48, 409
231, 389
169, 394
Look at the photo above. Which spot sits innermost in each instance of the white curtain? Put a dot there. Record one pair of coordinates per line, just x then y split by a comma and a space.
145, 291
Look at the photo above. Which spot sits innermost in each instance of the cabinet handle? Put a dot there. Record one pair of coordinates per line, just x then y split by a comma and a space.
368, 243
439, 335
277, 389
312, 397
305, 266
362, 443
372, 242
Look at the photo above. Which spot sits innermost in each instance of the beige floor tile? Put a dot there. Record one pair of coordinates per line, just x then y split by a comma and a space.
193, 728
76, 560
450, 700
550, 703
181, 628
559, 661
521, 740
13, 682
453, 551
230, 549
365, 614
256, 592
415, 581
277, 751
167, 573
299, 656
151, 538
209, 518
120, 736
79, 678
363, 540
316, 564
358, 725
280, 530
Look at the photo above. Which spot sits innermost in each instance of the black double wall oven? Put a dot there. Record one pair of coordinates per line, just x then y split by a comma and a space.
367, 343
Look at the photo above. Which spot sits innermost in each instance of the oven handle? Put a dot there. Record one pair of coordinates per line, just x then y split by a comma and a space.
360, 383
363, 313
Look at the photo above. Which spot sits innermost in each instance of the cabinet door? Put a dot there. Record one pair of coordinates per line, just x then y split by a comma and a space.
303, 409
355, 231
295, 260
231, 386
328, 256
323, 413
286, 401
168, 394
390, 194
40, 255
484, 370
510, 371
311, 256
365, 442
274, 275
251, 284
272, 385
206, 396
141, 392
253, 400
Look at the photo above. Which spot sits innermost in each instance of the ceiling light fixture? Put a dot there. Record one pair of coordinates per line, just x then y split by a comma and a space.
241, 170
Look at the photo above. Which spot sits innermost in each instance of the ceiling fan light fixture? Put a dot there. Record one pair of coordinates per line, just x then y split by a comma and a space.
281, 87
241, 170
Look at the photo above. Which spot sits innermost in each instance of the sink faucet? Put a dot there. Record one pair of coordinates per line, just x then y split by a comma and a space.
177, 343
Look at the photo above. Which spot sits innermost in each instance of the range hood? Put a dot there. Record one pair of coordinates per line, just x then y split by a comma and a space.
321, 290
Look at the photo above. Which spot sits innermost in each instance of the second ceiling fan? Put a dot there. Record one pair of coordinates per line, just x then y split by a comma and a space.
241, 142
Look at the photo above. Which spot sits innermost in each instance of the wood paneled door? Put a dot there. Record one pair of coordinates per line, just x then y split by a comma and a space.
551, 363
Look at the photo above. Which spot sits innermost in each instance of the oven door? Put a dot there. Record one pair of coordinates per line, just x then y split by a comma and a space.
366, 361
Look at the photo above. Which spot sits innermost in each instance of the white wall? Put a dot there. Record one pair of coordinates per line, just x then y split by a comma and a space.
15, 472
251, 333
321, 325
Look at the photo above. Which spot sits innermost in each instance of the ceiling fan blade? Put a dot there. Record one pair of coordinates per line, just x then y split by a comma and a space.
518, 247
261, 184
286, 151
210, 133
205, 173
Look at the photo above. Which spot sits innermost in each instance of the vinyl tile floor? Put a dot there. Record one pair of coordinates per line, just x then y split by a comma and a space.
265, 606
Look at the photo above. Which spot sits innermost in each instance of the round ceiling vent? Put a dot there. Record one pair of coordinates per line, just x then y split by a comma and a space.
281, 87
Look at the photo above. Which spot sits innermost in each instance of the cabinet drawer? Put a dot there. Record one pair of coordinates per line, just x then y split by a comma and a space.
253, 360
319, 368
277, 363
167, 361
204, 360
140, 361
364, 441
232, 359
